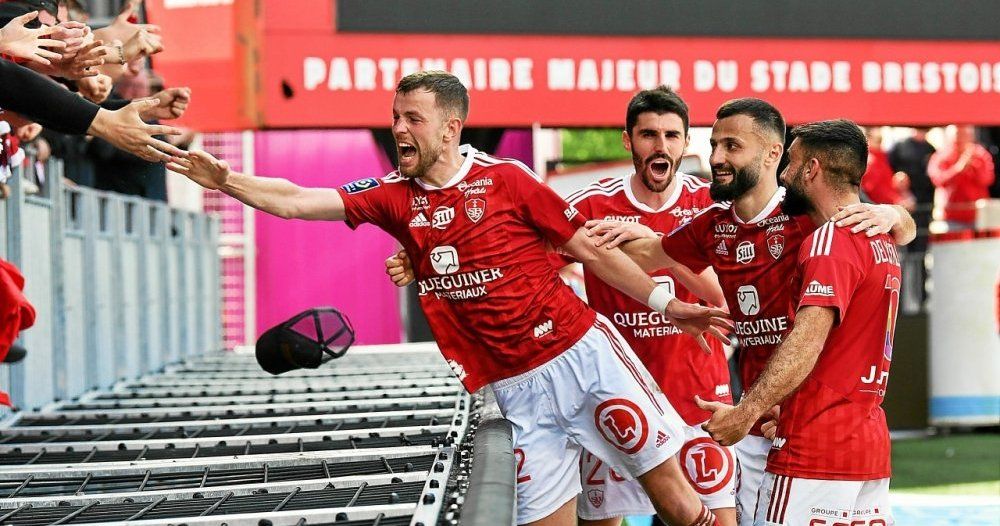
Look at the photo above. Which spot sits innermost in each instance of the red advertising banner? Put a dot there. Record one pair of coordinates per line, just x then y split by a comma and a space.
346, 80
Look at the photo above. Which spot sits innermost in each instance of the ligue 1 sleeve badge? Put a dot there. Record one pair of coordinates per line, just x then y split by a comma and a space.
475, 208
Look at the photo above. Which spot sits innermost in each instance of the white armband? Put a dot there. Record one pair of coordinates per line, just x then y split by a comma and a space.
659, 298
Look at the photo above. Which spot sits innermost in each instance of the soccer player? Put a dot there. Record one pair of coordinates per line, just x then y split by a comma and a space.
476, 228
829, 463
751, 242
654, 200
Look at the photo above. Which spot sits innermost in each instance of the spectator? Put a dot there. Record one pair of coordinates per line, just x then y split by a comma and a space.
911, 156
962, 172
144, 179
879, 182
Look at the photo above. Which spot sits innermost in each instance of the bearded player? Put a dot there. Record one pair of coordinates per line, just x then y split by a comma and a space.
829, 463
751, 243
477, 228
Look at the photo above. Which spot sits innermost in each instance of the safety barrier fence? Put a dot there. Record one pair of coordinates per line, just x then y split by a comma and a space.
121, 285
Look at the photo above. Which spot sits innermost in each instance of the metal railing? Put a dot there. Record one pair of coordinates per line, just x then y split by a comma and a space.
121, 285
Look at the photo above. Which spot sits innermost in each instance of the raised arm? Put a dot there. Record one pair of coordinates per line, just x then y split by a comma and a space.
275, 196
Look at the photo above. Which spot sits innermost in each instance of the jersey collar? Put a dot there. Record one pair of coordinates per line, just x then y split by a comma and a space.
776, 199
469, 152
670, 202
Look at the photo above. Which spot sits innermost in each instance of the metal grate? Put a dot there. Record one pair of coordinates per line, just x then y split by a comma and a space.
213, 439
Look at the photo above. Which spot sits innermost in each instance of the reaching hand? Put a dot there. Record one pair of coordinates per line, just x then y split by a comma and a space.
873, 219
121, 28
728, 425
203, 169
696, 320
142, 43
30, 44
172, 103
614, 233
95, 89
29, 131
400, 269
74, 34
125, 129
82, 63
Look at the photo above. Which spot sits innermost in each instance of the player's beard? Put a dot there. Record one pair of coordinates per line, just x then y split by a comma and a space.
796, 202
426, 157
646, 171
743, 180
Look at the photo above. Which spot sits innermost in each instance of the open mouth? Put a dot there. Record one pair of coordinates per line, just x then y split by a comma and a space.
407, 151
722, 175
659, 168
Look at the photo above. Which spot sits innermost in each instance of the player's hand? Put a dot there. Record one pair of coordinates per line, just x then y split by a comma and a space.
610, 234
873, 219
728, 425
696, 320
770, 427
202, 168
400, 269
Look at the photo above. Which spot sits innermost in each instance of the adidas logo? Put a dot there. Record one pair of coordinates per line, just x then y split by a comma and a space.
543, 328
661, 438
419, 220
722, 249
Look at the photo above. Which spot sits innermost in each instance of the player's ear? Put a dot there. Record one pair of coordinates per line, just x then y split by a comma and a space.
453, 128
626, 141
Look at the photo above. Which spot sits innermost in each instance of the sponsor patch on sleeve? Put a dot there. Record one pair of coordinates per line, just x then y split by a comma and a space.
361, 185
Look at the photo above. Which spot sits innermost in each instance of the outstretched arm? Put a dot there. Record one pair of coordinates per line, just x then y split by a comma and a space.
275, 196
788, 367
616, 269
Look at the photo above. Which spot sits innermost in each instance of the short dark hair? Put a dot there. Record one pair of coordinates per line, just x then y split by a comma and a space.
449, 93
765, 116
659, 100
840, 146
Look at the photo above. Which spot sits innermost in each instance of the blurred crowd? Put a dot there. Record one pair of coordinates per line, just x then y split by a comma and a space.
86, 95
941, 183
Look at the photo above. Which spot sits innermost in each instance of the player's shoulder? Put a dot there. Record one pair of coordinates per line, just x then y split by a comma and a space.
502, 166
608, 187
835, 241
713, 214
692, 183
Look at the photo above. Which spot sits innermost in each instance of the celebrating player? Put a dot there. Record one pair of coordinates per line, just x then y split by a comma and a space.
656, 199
751, 242
476, 229
830, 460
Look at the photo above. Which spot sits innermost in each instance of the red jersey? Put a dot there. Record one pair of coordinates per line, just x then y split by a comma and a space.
833, 426
958, 192
674, 359
754, 261
495, 305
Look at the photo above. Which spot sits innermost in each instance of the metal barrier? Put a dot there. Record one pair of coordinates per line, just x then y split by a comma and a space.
122, 286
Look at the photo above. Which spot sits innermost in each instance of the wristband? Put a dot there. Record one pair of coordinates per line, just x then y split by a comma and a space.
659, 298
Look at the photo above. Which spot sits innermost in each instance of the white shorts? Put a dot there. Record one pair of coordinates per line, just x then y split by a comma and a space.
708, 467
751, 459
596, 395
811, 502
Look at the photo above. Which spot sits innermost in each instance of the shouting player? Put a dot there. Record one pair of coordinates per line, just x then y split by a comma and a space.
476, 228
654, 200
830, 460
751, 242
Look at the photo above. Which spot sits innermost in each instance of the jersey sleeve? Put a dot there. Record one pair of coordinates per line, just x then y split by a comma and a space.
831, 270
543, 209
366, 201
683, 245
